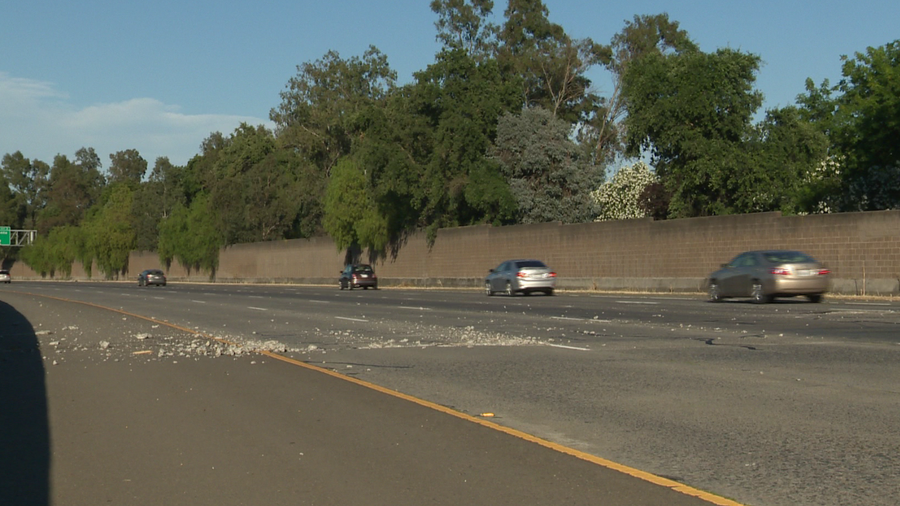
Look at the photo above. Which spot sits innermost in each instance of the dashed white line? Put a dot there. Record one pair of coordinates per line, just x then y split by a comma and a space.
567, 318
350, 319
199, 301
637, 302
416, 308
568, 347
257, 308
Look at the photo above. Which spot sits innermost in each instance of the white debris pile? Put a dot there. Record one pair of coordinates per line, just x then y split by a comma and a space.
421, 336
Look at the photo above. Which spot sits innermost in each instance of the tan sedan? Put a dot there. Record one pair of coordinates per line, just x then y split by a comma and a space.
764, 275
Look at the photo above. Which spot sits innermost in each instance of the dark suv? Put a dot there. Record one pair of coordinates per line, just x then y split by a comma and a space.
358, 276
152, 277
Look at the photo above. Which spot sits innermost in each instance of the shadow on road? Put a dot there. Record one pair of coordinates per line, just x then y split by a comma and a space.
24, 427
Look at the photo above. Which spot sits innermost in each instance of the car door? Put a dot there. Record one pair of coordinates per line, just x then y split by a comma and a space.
729, 281
747, 272
498, 279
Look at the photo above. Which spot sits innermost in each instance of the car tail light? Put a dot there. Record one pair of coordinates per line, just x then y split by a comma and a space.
521, 274
782, 271
824, 272
551, 274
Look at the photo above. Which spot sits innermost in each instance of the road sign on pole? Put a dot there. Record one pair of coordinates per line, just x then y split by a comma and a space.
4, 236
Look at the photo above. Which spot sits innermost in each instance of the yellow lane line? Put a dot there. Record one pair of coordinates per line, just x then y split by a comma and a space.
637, 473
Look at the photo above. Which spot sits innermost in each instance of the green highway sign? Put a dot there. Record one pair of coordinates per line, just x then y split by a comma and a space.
4, 236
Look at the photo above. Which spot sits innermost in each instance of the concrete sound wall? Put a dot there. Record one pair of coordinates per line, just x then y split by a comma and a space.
861, 249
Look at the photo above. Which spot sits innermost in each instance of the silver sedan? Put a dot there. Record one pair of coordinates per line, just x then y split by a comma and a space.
764, 275
520, 276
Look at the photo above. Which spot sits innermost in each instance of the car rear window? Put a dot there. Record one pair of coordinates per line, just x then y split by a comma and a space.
530, 263
363, 268
788, 257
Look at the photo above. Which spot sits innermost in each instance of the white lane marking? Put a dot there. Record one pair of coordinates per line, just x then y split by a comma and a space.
567, 318
637, 302
867, 303
320, 301
568, 347
257, 308
255, 297
199, 301
418, 308
350, 319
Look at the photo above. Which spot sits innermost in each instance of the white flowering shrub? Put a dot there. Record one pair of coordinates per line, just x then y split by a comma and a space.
619, 198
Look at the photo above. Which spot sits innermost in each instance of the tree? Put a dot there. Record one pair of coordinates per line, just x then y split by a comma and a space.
154, 201
190, 235
867, 130
645, 35
28, 181
318, 110
73, 189
126, 165
692, 111
108, 229
464, 24
550, 67
351, 216
547, 175
786, 154
459, 101
620, 198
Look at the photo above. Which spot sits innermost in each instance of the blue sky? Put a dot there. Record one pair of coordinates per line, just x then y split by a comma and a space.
160, 76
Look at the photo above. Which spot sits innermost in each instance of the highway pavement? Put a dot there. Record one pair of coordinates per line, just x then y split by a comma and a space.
624, 399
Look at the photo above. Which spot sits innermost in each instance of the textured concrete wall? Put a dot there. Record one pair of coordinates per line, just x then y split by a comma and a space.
862, 250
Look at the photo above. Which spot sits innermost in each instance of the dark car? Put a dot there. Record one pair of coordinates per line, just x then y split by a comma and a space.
764, 275
358, 276
152, 277
520, 276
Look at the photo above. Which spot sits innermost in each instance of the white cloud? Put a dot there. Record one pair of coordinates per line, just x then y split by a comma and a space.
41, 122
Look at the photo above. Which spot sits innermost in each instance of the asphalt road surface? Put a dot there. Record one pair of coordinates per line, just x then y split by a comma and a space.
780, 404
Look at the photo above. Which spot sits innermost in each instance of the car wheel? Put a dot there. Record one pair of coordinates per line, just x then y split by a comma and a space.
758, 294
509, 290
487, 289
815, 299
715, 295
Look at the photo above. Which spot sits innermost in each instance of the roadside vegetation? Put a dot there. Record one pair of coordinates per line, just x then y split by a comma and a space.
504, 127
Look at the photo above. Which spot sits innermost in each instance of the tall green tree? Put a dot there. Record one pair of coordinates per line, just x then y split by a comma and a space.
108, 230
191, 236
691, 111
73, 189
550, 66
28, 181
547, 174
351, 214
319, 107
154, 201
460, 100
867, 132
127, 165
466, 25
645, 35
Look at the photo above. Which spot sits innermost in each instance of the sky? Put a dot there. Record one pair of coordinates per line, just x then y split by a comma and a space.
161, 76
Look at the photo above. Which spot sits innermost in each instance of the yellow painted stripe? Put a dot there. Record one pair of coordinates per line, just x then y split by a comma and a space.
637, 473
